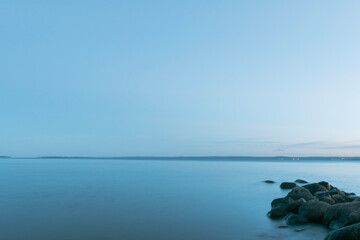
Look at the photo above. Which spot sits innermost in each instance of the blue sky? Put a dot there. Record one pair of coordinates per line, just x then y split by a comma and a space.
169, 78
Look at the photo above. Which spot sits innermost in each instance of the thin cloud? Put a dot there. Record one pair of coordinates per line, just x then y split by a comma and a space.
343, 147
308, 144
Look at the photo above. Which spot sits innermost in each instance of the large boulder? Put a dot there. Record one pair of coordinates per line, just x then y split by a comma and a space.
287, 185
280, 207
314, 210
346, 233
300, 192
315, 187
342, 214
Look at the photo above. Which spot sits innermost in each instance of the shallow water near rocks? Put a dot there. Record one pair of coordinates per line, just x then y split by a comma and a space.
88, 199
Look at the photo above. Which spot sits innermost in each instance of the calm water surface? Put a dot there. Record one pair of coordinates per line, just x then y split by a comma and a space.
69, 199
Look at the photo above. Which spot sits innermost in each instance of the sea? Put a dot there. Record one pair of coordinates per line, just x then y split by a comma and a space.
209, 198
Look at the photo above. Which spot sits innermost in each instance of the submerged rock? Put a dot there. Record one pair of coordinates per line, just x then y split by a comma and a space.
299, 229
287, 185
269, 181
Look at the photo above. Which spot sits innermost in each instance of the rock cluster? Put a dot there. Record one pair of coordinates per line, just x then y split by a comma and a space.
320, 203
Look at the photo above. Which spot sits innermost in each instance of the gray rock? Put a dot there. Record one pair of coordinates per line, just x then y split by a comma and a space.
300, 181
300, 192
315, 187
327, 199
277, 212
350, 194
325, 184
346, 233
280, 202
342, 214
293, 205
339, 198
314, 210
287, 185
294, 219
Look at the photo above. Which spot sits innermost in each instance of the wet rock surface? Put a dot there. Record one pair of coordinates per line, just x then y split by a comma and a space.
287, 185
300, 181
319, 203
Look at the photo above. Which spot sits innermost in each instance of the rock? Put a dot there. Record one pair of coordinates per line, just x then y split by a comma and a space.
277, 212
350, 194
314, 210
293, 219
300, 192
279, 202
347, 233
336, 191
342, 214
300, 181
325, 184
293, 205
329, 193
339, 198
315, 187
327, 199
287, 185
269, 181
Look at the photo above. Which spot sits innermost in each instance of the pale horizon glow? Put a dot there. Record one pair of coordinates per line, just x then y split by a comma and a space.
185, 78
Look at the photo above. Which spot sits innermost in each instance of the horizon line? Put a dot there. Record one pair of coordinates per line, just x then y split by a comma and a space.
175, 157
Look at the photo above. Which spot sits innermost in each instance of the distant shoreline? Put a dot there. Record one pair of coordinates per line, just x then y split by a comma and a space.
216, 158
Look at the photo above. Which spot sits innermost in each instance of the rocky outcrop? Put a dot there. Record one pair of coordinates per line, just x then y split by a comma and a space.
320, 203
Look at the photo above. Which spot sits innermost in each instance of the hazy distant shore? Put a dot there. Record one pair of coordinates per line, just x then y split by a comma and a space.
205, 158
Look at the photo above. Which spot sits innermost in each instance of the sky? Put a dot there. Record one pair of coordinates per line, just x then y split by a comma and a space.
180, 78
